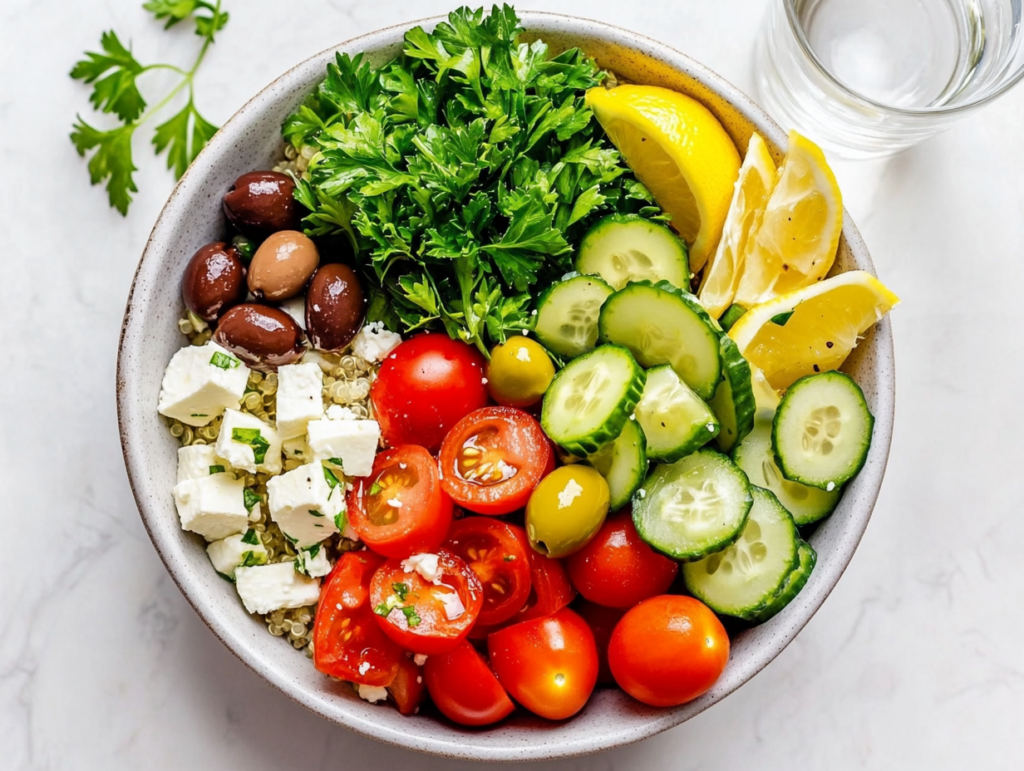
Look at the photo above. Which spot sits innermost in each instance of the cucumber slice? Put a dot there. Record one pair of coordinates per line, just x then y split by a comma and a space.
822, 430
733, 402
754, 455
745, 578
625, 247
732, 314
795, 581
567, 315
623, 463
664, 325
693, 507
674, 419
590, 400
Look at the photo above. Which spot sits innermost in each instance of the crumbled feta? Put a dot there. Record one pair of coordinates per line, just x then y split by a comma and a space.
242, 455
200, 382
453, 607
337, 412
237, 551
299, 398
353, 442
374, 342
266, 588
197, 461
304, 505
312, 357
523, 354
419, 659
570, 493
372, 693
313, 562
213, 506
296, 308
424, 564
296, 448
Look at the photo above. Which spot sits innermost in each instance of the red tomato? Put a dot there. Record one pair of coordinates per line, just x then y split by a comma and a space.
618, 569
464, 688
347, 641
423, 616
424, 387
668, 650
602, 622
495, 553
549, 665
408, 688
400, 509
493, 458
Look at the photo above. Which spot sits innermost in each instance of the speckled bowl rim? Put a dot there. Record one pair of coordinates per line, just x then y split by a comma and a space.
789, 624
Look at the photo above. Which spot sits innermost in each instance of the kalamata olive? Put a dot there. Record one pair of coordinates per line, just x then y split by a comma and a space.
214, 280
282, 265
263, 337
261, 203
335, 307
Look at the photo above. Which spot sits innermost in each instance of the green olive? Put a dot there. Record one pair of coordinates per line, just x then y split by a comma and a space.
566, 510
519, 372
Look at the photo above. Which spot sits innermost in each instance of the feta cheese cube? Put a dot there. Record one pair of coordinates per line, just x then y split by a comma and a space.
305, 506
374, 342
237, 551
299, 398
352, 444
200, 382
313, 562
372, 693
424, 564
213, 506
198, 460
297, 449
237, 444
265, 588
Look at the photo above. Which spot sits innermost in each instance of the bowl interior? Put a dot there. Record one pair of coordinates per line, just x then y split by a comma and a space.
192, 217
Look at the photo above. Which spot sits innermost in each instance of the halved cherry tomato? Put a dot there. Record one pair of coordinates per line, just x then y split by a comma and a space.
601, 621
493, 458
464, 688
668, 650
400, 509
618, 569
549, 665
550, 588
423, 616
424, 387
408, 688
347, 641
494, 551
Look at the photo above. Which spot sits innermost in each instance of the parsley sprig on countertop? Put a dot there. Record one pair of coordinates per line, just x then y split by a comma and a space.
113, 74
464, 170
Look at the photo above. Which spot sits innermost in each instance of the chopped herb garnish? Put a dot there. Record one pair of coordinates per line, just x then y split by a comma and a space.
251, 498
224, 361
781, 319
313, 550
225, 576
250, 537
200, 415
374, 489
336, 462
411, 616
216, 469
290, 539
401, 590
253, 438
315, 513
332, 480
341, 521
251, 559
382, 609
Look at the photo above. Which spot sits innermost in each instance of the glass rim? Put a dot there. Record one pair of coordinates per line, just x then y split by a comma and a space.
923, 112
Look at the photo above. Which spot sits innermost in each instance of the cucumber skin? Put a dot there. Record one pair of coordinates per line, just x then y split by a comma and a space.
612, 427
732, 314
792, 586
625, 219
549, 343
736, 370
792, 475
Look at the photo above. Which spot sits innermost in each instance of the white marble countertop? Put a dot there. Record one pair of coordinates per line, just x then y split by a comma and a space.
913, 661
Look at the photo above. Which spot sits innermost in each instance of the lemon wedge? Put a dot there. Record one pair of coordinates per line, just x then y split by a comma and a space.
680, 152
722, 275
794, 242
812, 329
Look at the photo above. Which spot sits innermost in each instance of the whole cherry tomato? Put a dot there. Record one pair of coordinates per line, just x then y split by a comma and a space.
668, 650
602, 622
549, 665
408, 688
424, 387
618, 569
464, 688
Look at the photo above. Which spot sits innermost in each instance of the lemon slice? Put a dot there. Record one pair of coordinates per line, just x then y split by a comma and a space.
812, 329
795, 242
722, 275
680, 152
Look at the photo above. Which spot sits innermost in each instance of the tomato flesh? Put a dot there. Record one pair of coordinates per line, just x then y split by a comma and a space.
401, 507
347, 641
493, 458
465, 689
408, 688
493, 550
425, 616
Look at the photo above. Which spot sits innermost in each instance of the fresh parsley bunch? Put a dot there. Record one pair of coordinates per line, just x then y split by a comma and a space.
113, 74
464, 171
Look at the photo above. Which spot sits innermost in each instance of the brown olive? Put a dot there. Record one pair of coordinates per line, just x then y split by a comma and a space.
282, 265
261, 203
214, 280
335, 307
263, 337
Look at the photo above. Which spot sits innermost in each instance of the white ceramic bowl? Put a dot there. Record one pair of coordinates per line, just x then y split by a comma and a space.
192, 217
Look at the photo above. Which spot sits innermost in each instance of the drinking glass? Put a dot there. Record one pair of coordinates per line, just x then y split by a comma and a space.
868, 78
